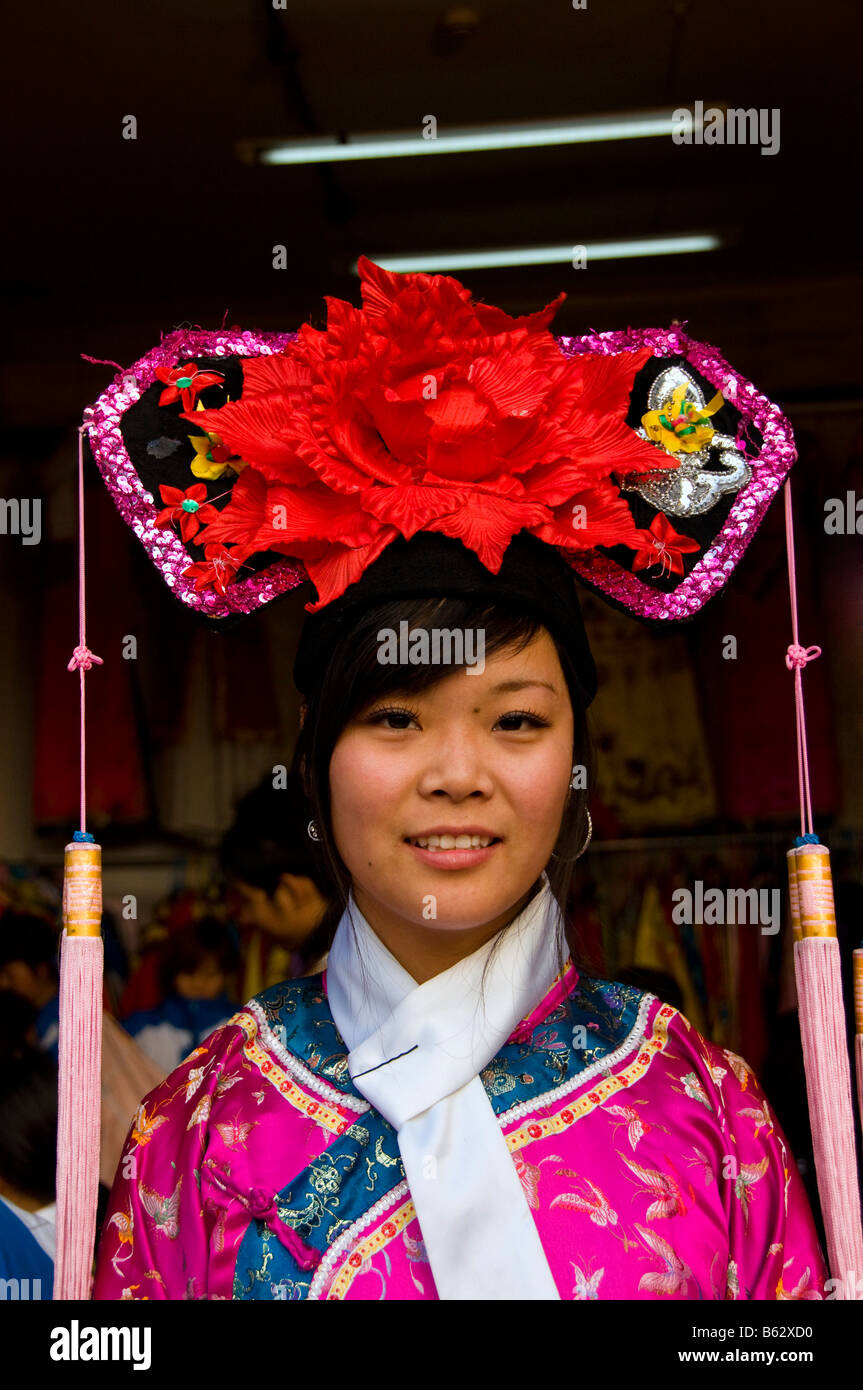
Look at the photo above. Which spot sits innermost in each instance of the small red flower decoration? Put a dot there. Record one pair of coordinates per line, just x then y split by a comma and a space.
423, 411
189, 508
667, 548
184, 382
216, 572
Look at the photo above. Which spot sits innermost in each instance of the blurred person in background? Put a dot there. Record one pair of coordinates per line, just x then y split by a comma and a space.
28, 967
28, 1157
196, 967
280, 887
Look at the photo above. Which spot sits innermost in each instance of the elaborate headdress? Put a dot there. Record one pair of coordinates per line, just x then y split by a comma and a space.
428, 444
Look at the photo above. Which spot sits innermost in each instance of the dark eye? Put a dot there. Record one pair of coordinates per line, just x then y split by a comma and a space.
536, 721
381, 716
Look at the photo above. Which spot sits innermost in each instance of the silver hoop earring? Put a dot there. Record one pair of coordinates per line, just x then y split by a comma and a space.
584, 846
313, 831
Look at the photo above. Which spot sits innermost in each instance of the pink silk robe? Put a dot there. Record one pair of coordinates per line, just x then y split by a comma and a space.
650, 1158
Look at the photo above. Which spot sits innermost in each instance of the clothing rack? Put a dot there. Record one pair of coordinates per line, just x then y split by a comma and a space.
840, 837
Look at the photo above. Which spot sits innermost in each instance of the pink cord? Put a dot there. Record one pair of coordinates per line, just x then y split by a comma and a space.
82, 657
796, 657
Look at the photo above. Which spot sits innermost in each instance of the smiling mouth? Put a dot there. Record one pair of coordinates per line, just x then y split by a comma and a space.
442, 843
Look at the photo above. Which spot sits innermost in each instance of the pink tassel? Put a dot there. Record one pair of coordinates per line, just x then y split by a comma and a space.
831, 1114
80, 1068
80, 1049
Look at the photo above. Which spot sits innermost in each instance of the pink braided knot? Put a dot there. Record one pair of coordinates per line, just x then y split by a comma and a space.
83, 657
799, 656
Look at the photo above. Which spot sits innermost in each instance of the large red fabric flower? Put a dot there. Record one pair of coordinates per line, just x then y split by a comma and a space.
423, 411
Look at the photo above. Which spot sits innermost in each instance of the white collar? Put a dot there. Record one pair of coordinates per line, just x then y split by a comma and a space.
415, 1053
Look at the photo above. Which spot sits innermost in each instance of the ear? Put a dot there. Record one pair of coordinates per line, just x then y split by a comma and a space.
304, 709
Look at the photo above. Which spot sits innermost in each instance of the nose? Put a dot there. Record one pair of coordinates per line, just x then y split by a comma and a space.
457, 767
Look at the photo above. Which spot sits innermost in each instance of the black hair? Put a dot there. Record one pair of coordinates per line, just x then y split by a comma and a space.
183, 950
28, 938
28, 1123
354, 677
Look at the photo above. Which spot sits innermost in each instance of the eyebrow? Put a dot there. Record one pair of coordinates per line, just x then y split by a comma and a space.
507, 687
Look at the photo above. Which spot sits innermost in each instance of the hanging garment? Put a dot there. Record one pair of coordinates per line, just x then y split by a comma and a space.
650, 1159
653, 766
116, 780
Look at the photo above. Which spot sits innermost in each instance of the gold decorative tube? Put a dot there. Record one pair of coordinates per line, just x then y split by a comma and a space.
811, 883
82, 889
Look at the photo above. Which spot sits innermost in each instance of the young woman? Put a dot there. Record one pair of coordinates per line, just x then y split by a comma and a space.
451, 1109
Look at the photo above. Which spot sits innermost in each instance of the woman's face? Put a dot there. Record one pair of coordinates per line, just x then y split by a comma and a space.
486, 750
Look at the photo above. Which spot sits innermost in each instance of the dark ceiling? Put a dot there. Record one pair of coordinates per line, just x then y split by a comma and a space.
110, 242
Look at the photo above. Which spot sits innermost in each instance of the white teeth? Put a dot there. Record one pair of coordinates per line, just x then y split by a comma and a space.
438, 842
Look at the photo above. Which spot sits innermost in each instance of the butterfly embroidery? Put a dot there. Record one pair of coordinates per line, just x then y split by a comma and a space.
694, 1089
415, 1249
761, 1116
164, 1211
125, 1223
201, 1112
636, 1128
702, 1161
145, 1126
801, 1288
195, 1077
235, 1134
749, 1174
663, 1188
675, 1274
529, 1174
741, 1069
593, 1201
732, 1280
585, 1289
221, 1216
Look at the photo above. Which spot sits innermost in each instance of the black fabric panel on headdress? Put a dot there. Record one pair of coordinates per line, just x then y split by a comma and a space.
533, 578
149, 430
703, 527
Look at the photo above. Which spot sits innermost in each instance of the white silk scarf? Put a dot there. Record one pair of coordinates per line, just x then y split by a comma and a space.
415, 1053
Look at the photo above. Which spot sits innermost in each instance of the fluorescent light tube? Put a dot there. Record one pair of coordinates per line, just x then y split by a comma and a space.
631, 248
577, 130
